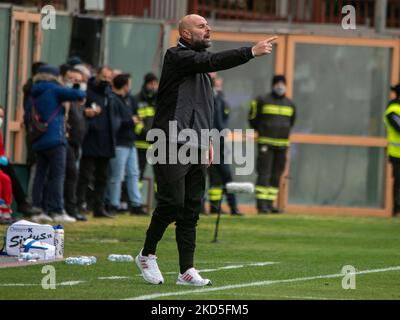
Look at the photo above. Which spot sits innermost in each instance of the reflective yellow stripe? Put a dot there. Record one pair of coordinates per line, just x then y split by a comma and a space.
265, 197
273, 141
145, 112
393, 135
215, 194
138, 128
278, 110
142, 145
261, 189
273, 191
253, 113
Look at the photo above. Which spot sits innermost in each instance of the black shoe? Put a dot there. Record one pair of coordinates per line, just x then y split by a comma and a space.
103, 214
137, 210
79, 216
26, 209
264, 210
237, 214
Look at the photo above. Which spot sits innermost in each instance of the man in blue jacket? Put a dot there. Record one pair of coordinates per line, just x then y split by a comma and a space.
47, 97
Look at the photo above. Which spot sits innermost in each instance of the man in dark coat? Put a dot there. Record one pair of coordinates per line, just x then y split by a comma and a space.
100, 141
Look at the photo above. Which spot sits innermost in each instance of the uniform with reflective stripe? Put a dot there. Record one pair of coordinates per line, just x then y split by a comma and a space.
393, 135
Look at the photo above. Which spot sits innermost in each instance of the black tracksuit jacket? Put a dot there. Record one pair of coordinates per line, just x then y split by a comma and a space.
185, 92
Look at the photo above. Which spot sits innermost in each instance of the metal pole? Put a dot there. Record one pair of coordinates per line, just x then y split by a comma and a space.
380, 15
215, 240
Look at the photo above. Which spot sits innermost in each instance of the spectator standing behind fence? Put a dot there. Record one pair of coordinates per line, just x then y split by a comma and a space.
47, 97
125, 161
102, 121
5, 181
75, 132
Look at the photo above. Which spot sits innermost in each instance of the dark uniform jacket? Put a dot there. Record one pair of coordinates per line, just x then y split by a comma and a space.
100, 138
146, 109
272, 117
185, 92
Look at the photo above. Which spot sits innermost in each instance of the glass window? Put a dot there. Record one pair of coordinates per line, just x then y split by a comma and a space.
341, 90
343, 176
244, 83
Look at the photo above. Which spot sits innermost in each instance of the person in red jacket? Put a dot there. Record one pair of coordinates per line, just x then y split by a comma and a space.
5, 182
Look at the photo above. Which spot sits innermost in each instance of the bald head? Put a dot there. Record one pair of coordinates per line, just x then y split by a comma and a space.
195, 30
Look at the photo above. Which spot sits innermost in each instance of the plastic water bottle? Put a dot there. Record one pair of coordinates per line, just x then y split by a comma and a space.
120, 258
28, 256
83, 261
59, 241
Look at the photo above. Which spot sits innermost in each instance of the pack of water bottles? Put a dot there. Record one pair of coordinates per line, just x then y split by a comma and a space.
120, 258
83, 260
28, 256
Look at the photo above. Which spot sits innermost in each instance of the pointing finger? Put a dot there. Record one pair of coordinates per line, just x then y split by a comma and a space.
272, 39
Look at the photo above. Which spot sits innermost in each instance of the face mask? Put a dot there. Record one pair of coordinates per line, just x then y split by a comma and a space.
69, 85
83, 86
280, 91
1, 122
103, 85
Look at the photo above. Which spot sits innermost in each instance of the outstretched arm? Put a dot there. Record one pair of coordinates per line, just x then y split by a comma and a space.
190, 61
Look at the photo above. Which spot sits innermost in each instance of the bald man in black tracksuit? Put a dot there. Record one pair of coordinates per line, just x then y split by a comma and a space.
186, 96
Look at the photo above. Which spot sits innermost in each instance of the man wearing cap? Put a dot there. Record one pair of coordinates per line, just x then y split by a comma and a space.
392, 122
272, 116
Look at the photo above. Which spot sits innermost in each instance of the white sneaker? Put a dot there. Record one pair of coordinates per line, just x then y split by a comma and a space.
42, 217
192, 278
149, 268
63, 218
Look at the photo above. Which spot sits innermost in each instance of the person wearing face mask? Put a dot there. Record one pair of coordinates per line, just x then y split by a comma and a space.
48, 96
102, 123
146, 103
272, 116
392, 122
125, 160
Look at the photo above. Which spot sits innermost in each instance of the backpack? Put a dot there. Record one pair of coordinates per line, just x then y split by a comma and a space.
37, 128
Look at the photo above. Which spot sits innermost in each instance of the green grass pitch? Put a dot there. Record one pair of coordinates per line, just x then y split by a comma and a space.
308, 254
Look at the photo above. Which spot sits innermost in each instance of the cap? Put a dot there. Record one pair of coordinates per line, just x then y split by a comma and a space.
150, 77
55, 71
278, 78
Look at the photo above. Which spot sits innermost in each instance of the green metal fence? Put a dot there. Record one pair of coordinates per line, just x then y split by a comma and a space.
133, 46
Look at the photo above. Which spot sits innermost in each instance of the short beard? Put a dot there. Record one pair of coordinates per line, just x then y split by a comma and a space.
201, 44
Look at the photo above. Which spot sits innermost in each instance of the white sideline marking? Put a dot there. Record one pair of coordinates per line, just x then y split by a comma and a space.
70, 283
257, 264
113, 278
74, 283
254, 284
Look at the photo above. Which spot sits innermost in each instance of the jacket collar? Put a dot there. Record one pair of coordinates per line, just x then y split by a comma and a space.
184, 44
